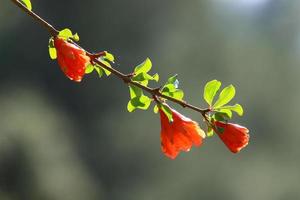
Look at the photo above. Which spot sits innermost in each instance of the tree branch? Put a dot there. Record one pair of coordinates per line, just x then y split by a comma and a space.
155, 92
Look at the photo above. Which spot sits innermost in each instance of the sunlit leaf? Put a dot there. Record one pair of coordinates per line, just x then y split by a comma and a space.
210, 132
143, 67
225, 96
52, 53
99, 71
142, 102
89, 69
65, 33
107, 64
27, 3
227, 112
109, 56
236, 108
155, 109
145, 77
178, 94
221, 116
173, 79
210, 90
155, 77
76, 37
169, 88
130, 107
135, 91
51, 49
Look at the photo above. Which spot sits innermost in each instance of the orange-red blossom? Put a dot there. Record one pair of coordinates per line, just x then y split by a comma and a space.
180, 134
71, 59
234, 136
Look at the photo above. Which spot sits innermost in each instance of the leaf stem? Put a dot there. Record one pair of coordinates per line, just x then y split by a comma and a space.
126, 78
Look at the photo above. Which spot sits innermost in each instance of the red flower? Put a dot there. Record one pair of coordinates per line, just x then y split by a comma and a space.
71, 59
234, 136
179, 135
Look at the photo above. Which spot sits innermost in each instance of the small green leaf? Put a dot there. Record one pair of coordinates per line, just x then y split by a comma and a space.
236, 108
89, 69
210, 132
143, 78
210, 90
225, 96
169, 88
51, 49
27, 3
76, 37
143, 67
168, 112
107, 64
143, 102
173, 79
155, 109
227, 112
178, 94
52, 53
109, 56
130, 107
65, 33
220, 116
51, 43
155, 77
99, 71
135, 91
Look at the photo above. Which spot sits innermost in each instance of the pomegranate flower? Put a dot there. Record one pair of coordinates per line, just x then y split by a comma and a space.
180, 134
71, 59
234, 136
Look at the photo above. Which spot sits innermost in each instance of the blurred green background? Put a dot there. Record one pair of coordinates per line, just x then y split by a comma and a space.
60, 140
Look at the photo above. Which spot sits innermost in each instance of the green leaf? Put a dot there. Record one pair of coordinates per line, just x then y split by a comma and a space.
173, 79
178, 94
99, 71
169, 88
210, 132
130, 107
220, 116
155, 77
225, 96
76, 37
155, 109
107, 64
226, 112
51, 49
89, 69
210, 90
65, 33
144, 77
109, 56
143, 102
143, 67
135, 91
168, 112
27, 3
236, 108
51, 43
52, 53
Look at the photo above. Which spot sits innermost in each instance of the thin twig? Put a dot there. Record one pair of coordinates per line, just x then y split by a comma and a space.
126, 78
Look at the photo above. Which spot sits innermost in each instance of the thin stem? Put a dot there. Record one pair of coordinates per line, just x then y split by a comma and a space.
155, 92
37, 18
